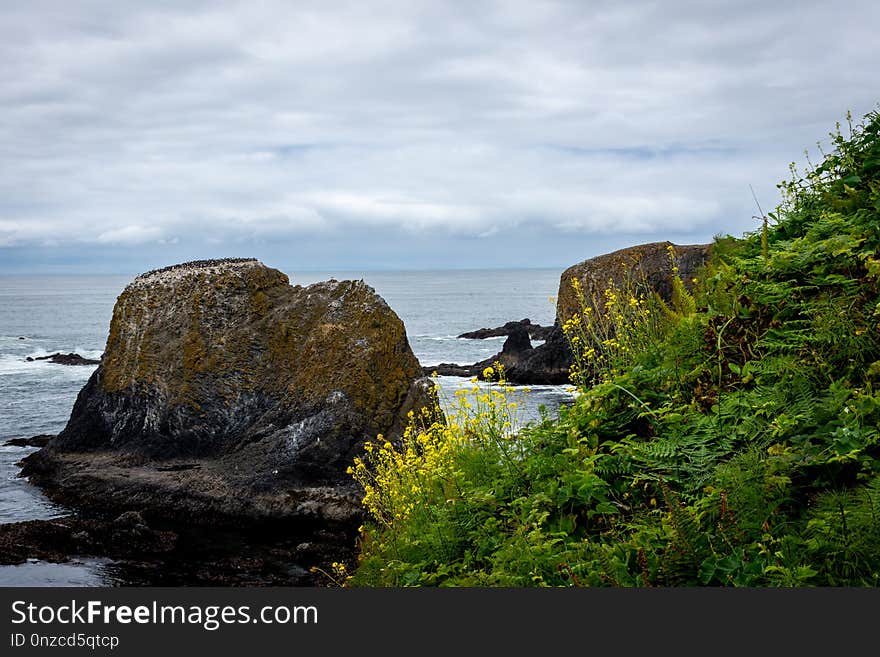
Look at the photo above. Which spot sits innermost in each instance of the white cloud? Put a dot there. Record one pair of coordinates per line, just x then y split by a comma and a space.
409, 213
132, 123
130, 235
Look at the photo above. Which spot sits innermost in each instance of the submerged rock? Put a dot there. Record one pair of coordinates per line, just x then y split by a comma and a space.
34, 441
224, 392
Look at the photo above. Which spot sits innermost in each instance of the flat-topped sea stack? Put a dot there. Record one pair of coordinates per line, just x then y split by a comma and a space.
648, 266
225, 392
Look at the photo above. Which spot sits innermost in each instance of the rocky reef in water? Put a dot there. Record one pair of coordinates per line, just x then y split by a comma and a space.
64, 359
228, 396
535, 331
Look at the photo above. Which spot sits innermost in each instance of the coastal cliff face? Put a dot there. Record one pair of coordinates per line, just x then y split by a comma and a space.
225, 390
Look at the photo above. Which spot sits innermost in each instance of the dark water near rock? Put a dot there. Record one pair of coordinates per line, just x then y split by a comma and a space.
72, 313
18, 499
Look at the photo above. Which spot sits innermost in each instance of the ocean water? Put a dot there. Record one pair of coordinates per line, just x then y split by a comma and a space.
51, 313
40, 315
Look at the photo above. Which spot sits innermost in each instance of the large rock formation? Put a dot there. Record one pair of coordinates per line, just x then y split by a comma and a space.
546, 364
648, 267
226, 392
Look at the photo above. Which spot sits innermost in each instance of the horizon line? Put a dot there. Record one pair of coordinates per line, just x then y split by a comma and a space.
289, 270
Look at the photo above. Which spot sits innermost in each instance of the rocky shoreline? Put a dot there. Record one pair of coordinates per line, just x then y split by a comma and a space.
153, 551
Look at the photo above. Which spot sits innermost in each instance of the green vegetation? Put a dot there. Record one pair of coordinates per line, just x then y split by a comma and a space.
727, 437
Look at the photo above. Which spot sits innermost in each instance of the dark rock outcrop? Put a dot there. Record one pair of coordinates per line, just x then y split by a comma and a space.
144, 554
226, 394
516, 349
450, 369
535, 331
65, 359
55, 540
546, 364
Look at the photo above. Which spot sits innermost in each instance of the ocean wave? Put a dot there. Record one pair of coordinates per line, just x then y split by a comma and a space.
458, 383
529, 398
40, 352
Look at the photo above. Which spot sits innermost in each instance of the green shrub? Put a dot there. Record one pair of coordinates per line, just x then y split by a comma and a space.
727, 438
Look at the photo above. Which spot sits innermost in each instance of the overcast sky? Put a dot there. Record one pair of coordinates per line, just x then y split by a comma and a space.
375, 135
